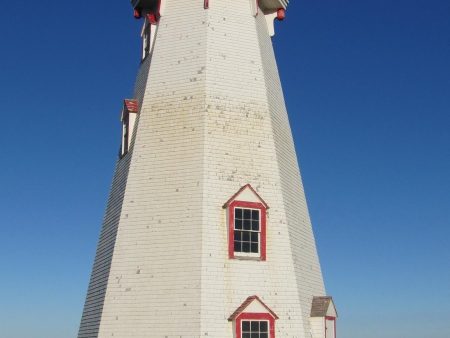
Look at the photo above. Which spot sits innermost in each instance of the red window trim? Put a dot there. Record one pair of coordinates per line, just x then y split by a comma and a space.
263, 213
325, 323
255, 316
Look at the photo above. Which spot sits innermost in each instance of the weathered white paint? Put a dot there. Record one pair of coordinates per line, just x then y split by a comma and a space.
212, 119
132, 124
247, 195
317, 327
331, 312
254, 7
255, 307
270, 21
329, 328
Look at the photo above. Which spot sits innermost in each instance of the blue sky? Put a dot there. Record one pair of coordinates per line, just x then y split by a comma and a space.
367, 84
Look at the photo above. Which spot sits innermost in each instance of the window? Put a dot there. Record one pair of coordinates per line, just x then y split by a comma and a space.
125, 133
255, 329
129, 112
247, 223
246, 213
146, 40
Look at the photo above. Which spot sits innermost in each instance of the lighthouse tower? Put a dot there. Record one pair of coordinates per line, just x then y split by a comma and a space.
206, 231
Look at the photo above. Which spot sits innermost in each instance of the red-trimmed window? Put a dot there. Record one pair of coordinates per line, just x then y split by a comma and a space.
255, 325
247, 230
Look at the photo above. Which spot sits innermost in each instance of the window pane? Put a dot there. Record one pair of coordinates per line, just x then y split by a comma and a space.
255, 335
255, 326
247, 225
254, 247
245, 247
255, 225
255, 214
246, 236
254, 237
245, 335
238, 224
263, 326
237, 246
238, 235
245, 325
247, 214
238, 213
263, 335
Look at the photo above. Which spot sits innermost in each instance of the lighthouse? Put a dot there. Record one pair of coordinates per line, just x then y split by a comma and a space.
206, 231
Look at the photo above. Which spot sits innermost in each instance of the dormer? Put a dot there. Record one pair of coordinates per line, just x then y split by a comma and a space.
128, 118
323, 317
247, 220
253, 318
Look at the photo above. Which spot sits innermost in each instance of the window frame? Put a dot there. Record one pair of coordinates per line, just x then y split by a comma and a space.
247, 316
262, 234
125, 133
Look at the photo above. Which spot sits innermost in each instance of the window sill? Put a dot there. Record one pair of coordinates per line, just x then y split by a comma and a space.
247, 258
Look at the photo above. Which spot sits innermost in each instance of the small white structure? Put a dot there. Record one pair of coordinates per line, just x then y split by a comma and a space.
206, 231
323, 318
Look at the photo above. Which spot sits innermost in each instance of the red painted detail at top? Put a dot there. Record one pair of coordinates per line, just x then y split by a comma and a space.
153, 18
281, 14
137, 14
152, 15
206, 4
132, 106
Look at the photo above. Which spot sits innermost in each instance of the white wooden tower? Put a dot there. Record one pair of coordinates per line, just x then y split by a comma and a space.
207, 232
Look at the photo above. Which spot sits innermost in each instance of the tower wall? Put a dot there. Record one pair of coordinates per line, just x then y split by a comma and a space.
248, 140
212, 119
154, 283
93, 307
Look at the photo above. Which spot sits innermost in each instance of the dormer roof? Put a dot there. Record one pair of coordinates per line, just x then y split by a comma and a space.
323, 306
130, 105
252, 300
247, 194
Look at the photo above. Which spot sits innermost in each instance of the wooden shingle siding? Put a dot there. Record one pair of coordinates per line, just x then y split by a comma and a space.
212, 120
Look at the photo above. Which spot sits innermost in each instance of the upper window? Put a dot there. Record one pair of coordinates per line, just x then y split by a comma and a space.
246, 213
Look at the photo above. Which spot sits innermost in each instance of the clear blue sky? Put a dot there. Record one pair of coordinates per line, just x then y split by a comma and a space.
367, 84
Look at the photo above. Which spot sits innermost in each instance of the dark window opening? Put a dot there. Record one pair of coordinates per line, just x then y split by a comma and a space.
255, 329
246, 230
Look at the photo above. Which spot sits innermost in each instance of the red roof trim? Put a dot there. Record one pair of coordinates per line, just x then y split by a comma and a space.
227, 203
246, 303
132, 106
